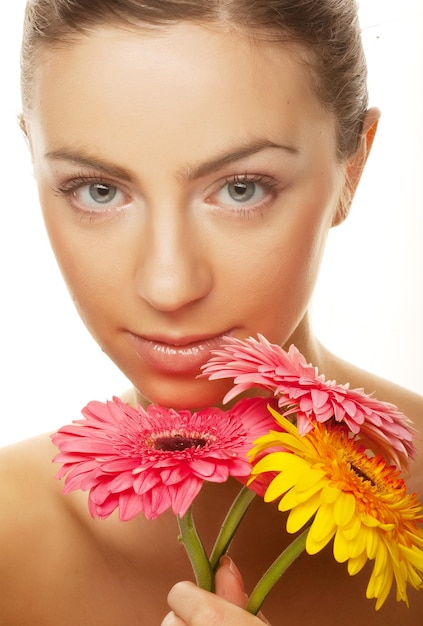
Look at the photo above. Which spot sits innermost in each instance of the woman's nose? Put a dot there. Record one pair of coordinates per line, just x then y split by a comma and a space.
174, 269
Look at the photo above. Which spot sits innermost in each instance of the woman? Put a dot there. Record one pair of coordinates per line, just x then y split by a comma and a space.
191, 158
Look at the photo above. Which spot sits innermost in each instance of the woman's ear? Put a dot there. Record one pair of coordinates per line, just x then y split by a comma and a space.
22, 125
24, 128
355, 165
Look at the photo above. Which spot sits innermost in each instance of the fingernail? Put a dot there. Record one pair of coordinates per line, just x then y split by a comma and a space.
169, 619
227, 561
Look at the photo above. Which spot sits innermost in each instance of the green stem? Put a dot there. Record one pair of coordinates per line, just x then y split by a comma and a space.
230, 525
195, 550
275, 571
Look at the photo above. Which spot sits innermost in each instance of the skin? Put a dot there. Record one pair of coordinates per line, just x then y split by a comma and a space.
172, 257
197, 275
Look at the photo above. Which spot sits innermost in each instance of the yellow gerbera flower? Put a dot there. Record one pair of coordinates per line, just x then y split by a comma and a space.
350, 496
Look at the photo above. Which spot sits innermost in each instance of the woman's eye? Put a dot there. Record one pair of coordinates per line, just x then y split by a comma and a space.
242, 193
99, 196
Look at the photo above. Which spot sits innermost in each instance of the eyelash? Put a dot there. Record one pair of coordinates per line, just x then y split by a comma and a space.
270, 186
81, 180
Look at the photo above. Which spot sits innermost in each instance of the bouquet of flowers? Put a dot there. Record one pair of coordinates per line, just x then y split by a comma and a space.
331, 456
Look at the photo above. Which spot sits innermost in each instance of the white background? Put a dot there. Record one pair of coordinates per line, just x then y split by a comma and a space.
368, 305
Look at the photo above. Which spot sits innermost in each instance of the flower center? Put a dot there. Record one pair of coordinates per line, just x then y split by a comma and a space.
359, 472
178, 442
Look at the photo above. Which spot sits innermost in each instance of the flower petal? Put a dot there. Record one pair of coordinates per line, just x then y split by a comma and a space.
302, 513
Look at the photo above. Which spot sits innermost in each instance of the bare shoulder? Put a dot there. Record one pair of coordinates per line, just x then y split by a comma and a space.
27, 515
25, 463
408, 402
44, 542
52, 551
27, 492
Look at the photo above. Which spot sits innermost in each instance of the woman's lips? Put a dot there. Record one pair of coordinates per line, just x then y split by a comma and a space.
182, 356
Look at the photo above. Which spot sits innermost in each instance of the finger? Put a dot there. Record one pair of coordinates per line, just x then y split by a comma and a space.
262, 618
172, 620
229, 583
196, 607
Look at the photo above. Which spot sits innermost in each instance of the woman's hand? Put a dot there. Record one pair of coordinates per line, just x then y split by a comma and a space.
192, 606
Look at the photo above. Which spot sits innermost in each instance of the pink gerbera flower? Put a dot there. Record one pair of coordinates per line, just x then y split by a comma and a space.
300, 390
150, 460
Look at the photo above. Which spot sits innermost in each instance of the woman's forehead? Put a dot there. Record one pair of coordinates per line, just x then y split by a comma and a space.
184, 53
189, 79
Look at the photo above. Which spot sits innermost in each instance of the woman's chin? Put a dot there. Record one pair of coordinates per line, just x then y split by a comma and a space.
182, 394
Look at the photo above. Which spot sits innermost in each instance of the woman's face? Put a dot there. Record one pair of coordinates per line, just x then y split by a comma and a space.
188, 180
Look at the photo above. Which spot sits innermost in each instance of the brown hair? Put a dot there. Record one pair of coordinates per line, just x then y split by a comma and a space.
328, 29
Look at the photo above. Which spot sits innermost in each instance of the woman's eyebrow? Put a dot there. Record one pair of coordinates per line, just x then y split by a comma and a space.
193, 172
189, 172
85, 160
